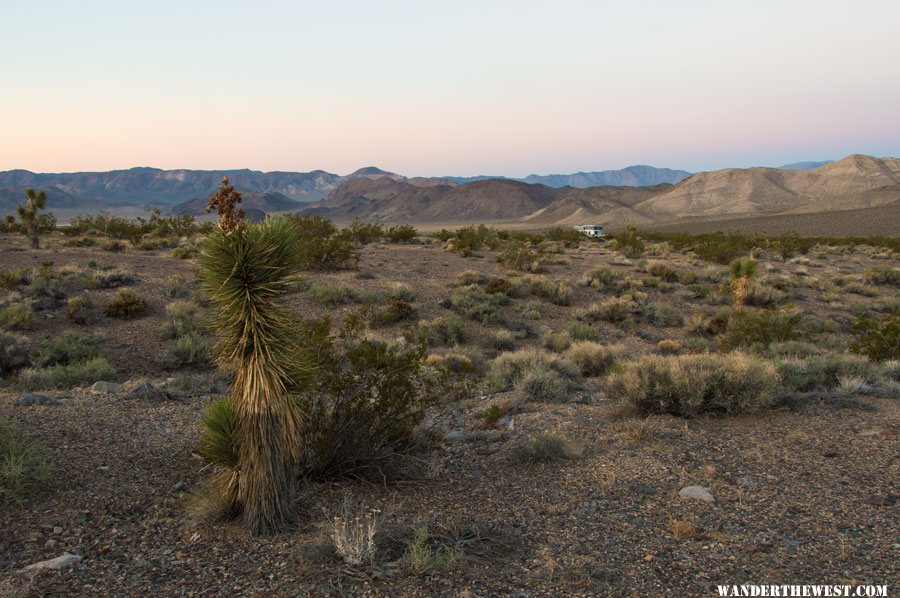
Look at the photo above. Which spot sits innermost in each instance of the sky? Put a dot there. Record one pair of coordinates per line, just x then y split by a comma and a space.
445, 88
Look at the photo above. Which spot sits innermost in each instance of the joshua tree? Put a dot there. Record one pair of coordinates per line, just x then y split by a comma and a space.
246, 269
28, 214
743, 271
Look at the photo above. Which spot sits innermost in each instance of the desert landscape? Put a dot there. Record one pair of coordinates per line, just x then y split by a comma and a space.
551, 463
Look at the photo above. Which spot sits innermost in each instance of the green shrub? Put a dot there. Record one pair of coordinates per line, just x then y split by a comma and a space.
321, 246
502, 340
469, 277
663, 271
82, 241
219, 440
557, 342
884, 275
188, 342
442, 331
474, 303
10, 279
593, 359
496, 285
690, 385
364, 232
67, 376
70, 347
758, 329
113, 280
400, 291
126, 305
186, 252
403, 233
544, 386
543, 448
17, 316
878, 338
602, 277
113, 245
824, 372
629, 243
13, 353
397, 310
23, 465
538, 286
662, 315
78, 307
469, 239
579, 331
191, 348
522, 258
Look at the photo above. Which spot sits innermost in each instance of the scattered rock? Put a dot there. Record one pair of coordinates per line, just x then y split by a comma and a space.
60, 562
506, 422
696, 492
30, 398
587, 509
179, 486
105, 387
544, 329
147, 392
455, 436
882, 501
649, 490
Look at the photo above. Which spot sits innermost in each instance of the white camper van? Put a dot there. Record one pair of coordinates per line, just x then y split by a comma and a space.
591, 230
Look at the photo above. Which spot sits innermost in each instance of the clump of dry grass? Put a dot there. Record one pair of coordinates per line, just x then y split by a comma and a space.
593, 359
353, 533
689, 385
543, 448
682, 529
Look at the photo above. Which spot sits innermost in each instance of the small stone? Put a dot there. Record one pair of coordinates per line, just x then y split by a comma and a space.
29, 398
105, 387
697, 493
649, 490
57, 529
649, 558
60, 562
455, 436
869, 433
506, 422
179, 486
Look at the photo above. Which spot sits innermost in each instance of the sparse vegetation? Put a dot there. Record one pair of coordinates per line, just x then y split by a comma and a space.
13, 353
17, 316
127, 304
594, 359
543, 448
23, 466
878, 338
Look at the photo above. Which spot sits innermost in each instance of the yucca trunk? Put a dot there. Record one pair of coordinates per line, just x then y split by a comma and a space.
246, 271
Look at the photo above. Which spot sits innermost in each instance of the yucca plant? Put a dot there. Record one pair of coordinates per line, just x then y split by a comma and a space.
246, 269
28, 214
743, 270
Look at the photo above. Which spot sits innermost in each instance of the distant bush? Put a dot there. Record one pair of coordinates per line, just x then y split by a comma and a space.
113, 245
757, 330
322, 247
629, 243
13, 353
690, 385
186, 252
17, 316
521, 257
663, 271
662, 315
469, 239
593, 359
154, 225
474, 303
78, 307
557, 342
502, 340
403, 233
189, 343
23, 465
824, 372
364, 232
602, 277
70, 347
668, 347
609, 310
559, 293
543, 448
469, 277
82, 241
126, 305
67, 376
878, 338
442, 331
884, 275
582, 332
113, 279
15, 277
544, 386
398, 310
511, 369
400, 291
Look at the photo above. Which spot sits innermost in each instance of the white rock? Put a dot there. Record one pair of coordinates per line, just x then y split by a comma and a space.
60, 562
696, 492
105, 387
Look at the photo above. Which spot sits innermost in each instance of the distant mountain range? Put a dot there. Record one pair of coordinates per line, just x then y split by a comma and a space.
805, 165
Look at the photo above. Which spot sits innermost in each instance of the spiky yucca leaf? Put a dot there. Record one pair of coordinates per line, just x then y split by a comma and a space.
245, 272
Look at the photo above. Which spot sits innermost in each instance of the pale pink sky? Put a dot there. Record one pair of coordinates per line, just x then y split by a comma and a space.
506, 88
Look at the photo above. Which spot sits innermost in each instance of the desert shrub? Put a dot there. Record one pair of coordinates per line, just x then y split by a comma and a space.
690, 385
668, 347
82, 241
884, 275
823, 372
70, 347
191, 348
468, 277
469, 239
580, 331
23, 465
15, 277
662, 315
127, 304
509, 369
878, 338
426, 553
400, 291
521, 257
602, 277
442, 331
46, 290
543, 448
530, 310
186, 252
353, 534
757, 329
663, 271
793, 349
364, 232
456, 363
544, 386
78, 307
403, 233
397, 310
13, 353
113, 280
67, 376
154, 225
858, 288
17, 316
502, 340
475, 303
557, 342
629, 243
333, 295
113, 245
177, 287
610, 310
764, 295
559, 293
152, 243
188, 342
568, 236
593, 359
495, 285
321, 246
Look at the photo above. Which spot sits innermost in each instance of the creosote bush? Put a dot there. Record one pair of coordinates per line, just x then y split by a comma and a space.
17, 316
127, 304
78, 307
824, 372
691, 385
13, 353
593, 359
475, 303
543, 448
442, 331
878, 338
539, 374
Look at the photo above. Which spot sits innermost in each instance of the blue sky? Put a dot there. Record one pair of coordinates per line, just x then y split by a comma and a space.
458, 88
